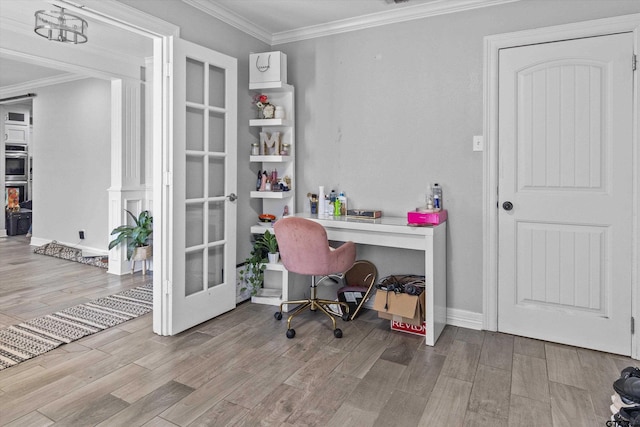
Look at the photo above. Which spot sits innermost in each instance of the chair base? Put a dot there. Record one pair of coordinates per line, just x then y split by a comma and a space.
313, 304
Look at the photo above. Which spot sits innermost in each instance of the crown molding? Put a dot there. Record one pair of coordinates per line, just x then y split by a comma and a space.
232, 19
34, 84
393, 16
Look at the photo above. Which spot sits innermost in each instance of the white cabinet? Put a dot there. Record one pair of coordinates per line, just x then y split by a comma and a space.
16, 134
16, 116
276, 286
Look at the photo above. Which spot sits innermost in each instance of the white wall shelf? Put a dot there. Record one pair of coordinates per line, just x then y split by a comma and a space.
276, 282
271, 195
270, 122
282, 95
271, 87
271, 158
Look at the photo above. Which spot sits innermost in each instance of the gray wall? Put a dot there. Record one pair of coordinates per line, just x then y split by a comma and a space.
71, 152
383, 112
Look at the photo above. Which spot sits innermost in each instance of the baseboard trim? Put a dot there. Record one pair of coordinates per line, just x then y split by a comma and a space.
464, 319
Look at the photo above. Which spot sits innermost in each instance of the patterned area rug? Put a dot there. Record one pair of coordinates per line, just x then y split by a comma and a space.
26, 340
57, 250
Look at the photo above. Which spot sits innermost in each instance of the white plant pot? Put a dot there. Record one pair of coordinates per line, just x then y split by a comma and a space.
273, 258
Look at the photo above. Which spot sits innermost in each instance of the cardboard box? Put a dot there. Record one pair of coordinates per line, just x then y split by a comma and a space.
410, 329
268, 67
400, 307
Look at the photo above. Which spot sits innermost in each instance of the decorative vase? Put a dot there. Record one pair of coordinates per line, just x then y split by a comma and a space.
268, 111
273, 258
141, 253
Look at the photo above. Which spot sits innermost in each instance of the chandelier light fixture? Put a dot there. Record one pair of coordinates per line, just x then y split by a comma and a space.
61, 26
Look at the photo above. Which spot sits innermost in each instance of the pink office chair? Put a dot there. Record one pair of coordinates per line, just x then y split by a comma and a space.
304, 249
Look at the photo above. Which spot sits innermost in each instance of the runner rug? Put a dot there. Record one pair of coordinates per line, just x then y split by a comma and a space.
26, 340
58, 250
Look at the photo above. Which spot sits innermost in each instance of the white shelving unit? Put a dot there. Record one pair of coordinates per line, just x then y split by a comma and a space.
276, 283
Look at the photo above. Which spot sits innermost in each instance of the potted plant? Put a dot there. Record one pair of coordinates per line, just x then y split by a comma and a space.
137, 237
269, 243
255, 265
253, 271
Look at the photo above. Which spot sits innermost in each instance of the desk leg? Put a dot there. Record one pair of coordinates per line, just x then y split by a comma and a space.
436, 269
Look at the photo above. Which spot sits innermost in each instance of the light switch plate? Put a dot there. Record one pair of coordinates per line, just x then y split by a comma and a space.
478, 143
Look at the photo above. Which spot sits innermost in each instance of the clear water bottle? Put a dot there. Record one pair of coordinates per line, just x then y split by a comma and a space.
436, 190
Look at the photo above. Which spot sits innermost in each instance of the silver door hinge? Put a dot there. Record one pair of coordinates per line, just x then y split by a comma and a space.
633, 326
168, 178
634, 62
168, 69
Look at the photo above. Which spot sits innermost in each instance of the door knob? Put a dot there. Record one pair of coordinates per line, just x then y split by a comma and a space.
507, 206
232, 197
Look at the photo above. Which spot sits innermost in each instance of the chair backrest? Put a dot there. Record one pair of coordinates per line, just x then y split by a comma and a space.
363, 273
304, 248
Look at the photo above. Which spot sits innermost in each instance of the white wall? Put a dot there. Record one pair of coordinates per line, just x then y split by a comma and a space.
71, 131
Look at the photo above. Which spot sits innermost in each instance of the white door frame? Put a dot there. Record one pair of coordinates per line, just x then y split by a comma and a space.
492, 46
162, 34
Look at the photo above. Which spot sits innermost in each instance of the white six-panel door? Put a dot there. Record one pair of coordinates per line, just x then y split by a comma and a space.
565, 192
199, 197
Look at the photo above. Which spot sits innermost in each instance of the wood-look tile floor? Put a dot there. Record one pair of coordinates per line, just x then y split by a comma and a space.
240, 370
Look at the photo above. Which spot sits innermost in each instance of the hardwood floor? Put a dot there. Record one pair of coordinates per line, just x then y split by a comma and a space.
240, 370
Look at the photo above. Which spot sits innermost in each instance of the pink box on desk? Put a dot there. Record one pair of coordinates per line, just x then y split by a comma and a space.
426, 218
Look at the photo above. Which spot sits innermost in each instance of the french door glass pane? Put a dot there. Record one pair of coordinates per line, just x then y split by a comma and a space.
194, 225
216, 176
216, 221
195, 177
195, 129
194, 270
216, 266
216, 87
216, 132
195, 77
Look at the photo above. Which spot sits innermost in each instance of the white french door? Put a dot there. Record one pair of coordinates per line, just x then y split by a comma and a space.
566, 191
199, 208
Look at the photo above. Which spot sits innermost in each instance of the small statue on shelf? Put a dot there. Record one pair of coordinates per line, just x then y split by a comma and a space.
263, 182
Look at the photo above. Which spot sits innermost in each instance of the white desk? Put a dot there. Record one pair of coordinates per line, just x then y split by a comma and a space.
394, 232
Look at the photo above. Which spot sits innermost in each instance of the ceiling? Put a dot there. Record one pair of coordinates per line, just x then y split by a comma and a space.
17, 19
272, 21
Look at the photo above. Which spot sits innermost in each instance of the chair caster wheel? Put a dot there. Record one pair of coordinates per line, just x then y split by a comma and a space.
277, 315
337, 333
345, 317
291, 333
